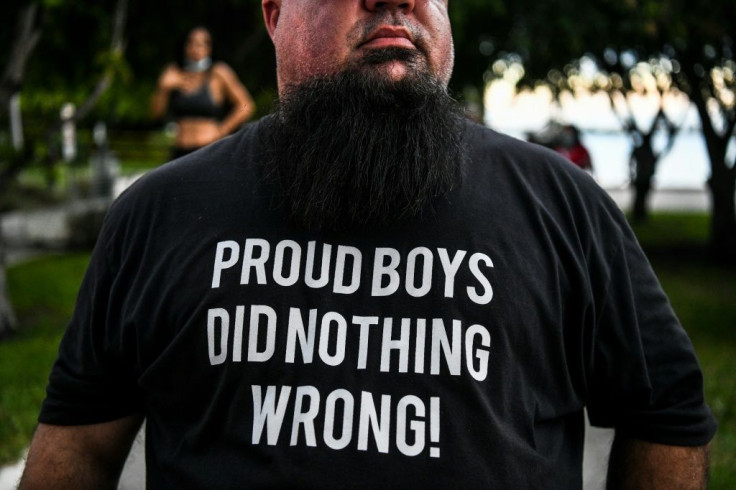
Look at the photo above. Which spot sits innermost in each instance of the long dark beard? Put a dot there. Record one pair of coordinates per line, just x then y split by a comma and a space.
357, 149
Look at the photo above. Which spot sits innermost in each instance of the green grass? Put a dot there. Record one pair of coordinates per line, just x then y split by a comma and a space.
672, 232
702, 293
43, 293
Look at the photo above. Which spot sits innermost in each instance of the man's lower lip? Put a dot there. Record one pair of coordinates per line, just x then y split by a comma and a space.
389, 42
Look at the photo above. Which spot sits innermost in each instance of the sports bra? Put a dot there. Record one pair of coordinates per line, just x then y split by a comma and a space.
198, 103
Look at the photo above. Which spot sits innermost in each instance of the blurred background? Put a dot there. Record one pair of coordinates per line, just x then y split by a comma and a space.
646, 88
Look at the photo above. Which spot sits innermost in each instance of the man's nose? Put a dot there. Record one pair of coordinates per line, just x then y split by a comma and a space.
405, 6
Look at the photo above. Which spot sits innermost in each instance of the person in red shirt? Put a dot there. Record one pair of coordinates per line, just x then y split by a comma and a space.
569, 145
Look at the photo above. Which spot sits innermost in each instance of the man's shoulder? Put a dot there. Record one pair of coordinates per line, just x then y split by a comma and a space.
524, 172
213, 162
486, 141
504, 156
223, 167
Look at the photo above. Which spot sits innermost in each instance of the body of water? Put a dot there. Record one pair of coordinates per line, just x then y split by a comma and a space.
685, 166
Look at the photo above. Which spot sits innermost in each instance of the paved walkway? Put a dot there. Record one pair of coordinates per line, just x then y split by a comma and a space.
666, 199
597, 441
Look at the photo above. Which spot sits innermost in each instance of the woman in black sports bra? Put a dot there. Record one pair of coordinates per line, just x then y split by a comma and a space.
196, 93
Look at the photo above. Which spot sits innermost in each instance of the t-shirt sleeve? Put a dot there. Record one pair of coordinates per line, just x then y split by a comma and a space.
646, 380
94, 378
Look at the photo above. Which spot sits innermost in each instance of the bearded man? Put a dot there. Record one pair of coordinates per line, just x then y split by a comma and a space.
366, 290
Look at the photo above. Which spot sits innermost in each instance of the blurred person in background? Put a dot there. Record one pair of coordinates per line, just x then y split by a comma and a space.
569, 145
197, 93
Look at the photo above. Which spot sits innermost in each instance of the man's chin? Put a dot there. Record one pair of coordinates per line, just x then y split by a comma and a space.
394, 70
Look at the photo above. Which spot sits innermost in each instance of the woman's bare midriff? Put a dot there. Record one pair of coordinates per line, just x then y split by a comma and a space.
195, 133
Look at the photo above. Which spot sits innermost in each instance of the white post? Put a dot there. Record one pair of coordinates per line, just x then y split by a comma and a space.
103, 162
16, 123
68, 133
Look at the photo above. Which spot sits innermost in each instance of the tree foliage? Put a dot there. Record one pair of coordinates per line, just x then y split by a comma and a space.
75, 48
694, 39
697, 39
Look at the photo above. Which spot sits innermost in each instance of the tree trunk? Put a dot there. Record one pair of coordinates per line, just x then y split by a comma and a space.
643, 162
722, 184
646, 162
723, 221
117, 48
26, 39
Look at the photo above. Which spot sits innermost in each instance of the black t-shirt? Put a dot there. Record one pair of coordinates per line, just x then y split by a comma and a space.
452, 351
